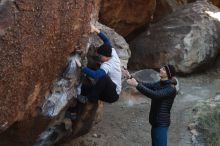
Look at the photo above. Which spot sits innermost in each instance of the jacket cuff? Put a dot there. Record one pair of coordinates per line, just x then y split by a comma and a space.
138, 86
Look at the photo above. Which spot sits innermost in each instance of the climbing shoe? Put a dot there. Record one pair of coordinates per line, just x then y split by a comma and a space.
70, 115
82, 99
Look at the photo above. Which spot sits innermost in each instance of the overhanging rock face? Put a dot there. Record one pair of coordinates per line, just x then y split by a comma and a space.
36, 38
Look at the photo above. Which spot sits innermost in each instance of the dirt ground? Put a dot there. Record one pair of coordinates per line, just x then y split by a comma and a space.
125, 123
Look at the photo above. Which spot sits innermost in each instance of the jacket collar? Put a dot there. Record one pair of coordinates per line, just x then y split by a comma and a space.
164, 82
170, 81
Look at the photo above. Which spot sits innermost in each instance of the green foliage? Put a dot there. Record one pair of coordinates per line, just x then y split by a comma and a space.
208, 125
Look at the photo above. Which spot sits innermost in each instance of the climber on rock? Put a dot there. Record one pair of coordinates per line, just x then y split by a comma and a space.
108, 76
162, 95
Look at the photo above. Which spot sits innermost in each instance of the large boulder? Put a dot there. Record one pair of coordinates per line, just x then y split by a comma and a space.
188, 39
36, 38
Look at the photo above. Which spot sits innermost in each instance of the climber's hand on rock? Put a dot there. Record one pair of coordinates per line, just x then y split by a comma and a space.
125, 73
94, 29
78, 63
132, 82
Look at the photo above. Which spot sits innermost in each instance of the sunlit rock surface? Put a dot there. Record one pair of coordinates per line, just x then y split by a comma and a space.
214, 2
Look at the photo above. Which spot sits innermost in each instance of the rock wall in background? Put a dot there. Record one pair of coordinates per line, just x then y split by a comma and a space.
165, 7
187, 38
126, 16
129, 18
214, 2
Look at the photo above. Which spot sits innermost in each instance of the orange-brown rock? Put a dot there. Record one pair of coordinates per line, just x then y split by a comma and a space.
126, 16
36, 37
129, 16
215, 2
